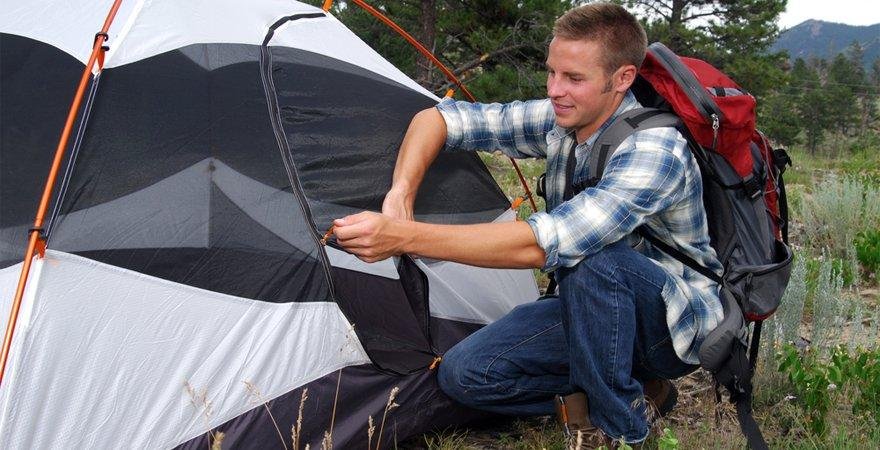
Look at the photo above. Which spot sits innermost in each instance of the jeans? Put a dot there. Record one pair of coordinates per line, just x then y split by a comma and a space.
604, 334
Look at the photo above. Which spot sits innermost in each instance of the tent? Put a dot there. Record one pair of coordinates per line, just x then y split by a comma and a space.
184, 288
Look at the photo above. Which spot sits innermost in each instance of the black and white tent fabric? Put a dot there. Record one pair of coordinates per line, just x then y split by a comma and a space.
185, 288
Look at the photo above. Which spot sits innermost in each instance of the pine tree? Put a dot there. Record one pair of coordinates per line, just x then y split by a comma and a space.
734, 36
811, 102
842, 80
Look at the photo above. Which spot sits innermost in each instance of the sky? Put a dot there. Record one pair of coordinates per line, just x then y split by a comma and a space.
850, 12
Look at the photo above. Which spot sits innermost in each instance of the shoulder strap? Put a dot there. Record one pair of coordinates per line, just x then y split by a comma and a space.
609, 140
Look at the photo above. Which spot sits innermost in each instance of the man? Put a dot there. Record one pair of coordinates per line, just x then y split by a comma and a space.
625, 319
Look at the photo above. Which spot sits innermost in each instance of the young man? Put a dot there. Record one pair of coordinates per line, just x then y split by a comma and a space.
625, 318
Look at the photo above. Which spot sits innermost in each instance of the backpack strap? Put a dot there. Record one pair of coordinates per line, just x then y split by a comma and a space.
609, 140
680, 256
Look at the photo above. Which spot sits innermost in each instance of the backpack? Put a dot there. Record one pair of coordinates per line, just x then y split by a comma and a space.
745, 202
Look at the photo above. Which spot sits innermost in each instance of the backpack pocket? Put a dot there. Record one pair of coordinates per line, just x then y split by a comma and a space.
759, 288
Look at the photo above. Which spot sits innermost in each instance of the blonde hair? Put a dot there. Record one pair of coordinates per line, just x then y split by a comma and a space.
619, 33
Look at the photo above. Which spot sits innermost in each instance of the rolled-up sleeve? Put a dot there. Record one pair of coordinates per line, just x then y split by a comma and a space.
517, 129
638, 182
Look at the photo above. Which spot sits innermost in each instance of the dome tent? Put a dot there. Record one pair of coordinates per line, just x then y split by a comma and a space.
184, 288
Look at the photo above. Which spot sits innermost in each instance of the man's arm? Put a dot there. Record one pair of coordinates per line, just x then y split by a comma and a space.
374, 237
422, 142
518, 129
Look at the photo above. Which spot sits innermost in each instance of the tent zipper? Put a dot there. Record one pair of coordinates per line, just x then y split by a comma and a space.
284, 146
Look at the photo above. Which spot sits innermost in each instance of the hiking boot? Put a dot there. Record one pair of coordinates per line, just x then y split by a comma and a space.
661, 395
573, 413
580, 434
574, 416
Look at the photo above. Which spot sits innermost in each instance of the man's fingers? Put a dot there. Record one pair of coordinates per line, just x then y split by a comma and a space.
351, 226
363, 251
352, 231
350, 221
362, 235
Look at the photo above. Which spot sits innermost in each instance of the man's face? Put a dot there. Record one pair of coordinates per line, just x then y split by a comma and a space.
583, 94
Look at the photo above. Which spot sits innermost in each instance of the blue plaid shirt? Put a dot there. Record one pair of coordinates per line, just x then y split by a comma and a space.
651, 179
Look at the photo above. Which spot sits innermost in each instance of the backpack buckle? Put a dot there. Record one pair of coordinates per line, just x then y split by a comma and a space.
541, 186
752, 187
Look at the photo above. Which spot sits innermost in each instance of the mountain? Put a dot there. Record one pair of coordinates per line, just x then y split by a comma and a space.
816, 38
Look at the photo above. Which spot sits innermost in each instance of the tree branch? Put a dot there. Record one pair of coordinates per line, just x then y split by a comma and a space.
473, 64
655, 9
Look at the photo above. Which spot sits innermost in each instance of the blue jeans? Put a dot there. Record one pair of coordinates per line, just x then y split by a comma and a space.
604, 334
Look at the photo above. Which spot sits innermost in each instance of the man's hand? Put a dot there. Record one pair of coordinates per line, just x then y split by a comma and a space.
370, 236
398, 204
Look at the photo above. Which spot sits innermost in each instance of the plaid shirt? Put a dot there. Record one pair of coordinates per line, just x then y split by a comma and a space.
651, 179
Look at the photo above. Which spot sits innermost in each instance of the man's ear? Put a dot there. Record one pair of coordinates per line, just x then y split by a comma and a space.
624, 77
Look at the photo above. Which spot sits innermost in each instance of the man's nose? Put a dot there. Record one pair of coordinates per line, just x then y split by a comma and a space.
554, 89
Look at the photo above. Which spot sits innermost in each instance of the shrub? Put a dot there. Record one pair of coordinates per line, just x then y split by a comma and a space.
837, 210
827, 305
811, 384
868, 252
816, 382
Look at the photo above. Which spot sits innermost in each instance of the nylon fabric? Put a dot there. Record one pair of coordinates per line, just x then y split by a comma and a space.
156, 362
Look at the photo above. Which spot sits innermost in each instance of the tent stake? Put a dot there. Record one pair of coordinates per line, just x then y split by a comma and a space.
36, 239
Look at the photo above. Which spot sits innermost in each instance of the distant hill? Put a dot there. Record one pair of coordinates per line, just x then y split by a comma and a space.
815, 38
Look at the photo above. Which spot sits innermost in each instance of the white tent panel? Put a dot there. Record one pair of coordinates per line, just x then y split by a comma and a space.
457, 291
143, 29
474, 294
331, 38
110, 358
68, 25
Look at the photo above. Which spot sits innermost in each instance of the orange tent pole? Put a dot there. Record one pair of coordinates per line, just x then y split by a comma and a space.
36, 241
449, 76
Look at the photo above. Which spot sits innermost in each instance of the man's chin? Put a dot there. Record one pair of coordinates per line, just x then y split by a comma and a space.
562, 123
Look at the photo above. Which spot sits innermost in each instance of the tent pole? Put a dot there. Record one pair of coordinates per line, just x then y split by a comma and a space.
36, 240
449, 76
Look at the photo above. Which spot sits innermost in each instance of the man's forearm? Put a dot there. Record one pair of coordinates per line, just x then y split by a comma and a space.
498, 245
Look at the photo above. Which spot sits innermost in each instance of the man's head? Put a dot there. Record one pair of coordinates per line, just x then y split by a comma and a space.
593, 59
618, 33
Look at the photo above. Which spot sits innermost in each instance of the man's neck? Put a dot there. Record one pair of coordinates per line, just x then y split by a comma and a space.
584, 133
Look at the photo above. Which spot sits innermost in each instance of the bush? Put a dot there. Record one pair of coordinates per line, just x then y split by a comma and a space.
817, 382
837, 211
845, 270
868, 252
828, 306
